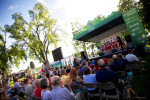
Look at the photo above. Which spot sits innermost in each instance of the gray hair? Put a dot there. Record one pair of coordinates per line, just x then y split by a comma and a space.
55, 80
101, 63
37, 82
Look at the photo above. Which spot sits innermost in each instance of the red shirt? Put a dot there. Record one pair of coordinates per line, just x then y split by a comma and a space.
38, 92
97, 68
42, 70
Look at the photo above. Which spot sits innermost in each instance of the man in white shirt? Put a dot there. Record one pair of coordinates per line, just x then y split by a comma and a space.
131, 57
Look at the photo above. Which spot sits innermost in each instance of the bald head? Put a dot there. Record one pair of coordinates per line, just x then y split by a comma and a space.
55, 80
115, 57
101, 63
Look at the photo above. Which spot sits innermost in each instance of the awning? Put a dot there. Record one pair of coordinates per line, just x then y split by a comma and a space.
98, 29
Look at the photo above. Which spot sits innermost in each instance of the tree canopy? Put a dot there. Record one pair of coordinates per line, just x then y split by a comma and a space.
36, 35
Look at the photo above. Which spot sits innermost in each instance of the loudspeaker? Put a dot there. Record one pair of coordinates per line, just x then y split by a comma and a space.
129, 41
83, 57
128, 38
101, 54
113, 51
57, 54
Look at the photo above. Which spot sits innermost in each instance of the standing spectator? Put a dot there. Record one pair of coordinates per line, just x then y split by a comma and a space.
131, 57
45, 93
68, 68
28, 86
59, 92
45, 68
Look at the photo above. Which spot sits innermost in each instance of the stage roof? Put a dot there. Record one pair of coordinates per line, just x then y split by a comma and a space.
98, 29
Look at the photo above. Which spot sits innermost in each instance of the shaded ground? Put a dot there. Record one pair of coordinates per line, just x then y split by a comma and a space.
141, 84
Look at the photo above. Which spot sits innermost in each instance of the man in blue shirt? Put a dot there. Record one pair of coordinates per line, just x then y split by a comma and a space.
59, 92
105, 75
117, 65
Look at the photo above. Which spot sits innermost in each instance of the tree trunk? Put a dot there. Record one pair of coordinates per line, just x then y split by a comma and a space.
3, 75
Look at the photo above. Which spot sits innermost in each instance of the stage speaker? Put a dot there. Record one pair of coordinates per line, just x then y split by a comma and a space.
101, 54
57, 54
83, 57
129, 41
113, 51
128, 38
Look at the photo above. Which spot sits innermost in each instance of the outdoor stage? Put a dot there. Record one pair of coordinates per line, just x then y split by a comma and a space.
108, 55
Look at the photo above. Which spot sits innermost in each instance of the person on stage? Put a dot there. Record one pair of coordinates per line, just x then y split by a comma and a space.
120, 42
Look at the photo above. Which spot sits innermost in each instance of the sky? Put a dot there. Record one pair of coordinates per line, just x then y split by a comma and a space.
64, 11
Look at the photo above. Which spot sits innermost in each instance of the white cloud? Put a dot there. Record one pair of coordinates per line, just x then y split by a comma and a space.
13, 7
43, 2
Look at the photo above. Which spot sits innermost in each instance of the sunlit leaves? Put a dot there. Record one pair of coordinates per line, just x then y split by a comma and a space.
36, 35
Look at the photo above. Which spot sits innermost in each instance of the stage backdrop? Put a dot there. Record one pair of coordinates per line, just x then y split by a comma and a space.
135, 26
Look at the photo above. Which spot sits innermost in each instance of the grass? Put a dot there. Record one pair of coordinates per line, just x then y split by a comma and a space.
141, 84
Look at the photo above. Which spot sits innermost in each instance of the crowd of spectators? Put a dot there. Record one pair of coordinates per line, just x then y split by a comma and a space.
50, 83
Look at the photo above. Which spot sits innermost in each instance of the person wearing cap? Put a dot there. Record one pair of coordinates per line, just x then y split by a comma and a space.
28, 86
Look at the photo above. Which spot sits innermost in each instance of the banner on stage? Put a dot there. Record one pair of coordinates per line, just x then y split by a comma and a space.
135, 26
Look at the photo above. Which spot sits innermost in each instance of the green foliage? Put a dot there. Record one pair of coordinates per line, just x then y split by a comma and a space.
86, 46
37, 34
143, 7
125, 5
11, 55
144, 12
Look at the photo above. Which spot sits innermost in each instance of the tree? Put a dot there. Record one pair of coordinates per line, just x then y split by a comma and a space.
12, 54
125, 5
78, 45
38, 34
145, 12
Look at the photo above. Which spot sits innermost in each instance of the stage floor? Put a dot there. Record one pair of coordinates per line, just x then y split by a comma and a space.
108, 55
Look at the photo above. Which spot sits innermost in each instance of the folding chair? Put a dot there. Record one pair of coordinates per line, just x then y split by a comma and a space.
91, 85
123, 75
108, 87
135, 67
77, 87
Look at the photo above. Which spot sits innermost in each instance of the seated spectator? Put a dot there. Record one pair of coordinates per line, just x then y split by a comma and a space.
105, 75
28, 87
131, 57
59, 92
68, 68
64, 78
76, 79
117, 65
18, 86
96, 65
120, 58
38, 89
82, 65
45, 93
110, 61
89, 78
49, 79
